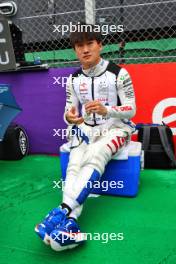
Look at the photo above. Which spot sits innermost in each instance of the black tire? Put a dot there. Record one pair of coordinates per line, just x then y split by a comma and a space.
15, 145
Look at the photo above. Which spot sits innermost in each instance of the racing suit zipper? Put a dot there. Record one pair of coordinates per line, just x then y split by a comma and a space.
93, 98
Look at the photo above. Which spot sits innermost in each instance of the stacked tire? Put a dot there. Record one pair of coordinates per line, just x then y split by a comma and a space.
15, 145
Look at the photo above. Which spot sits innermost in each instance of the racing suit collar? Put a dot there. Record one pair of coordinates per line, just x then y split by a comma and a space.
97, 69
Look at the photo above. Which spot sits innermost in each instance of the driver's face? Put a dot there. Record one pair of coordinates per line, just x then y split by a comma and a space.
88, 52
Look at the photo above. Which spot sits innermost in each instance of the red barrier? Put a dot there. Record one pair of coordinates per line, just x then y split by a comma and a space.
155, 89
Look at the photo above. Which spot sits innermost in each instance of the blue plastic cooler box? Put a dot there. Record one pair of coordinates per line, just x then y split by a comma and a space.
121, 176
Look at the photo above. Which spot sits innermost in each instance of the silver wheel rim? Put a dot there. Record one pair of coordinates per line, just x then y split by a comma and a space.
23, 142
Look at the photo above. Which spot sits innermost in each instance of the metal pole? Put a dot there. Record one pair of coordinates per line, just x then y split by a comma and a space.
90, 11
122, 41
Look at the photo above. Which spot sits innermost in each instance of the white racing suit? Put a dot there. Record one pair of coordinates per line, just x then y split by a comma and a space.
95, 141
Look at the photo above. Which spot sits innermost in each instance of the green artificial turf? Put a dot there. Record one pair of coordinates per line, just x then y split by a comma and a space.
148, 221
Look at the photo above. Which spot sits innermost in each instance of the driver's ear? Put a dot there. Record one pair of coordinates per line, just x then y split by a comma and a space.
101, 46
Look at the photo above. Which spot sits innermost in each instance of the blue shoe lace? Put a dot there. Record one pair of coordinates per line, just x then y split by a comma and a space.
69, 225
53, 219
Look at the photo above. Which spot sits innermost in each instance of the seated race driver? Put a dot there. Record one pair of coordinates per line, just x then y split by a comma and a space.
105, 93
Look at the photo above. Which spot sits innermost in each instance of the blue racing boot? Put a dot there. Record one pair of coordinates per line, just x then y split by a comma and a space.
53, 219
66, 236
